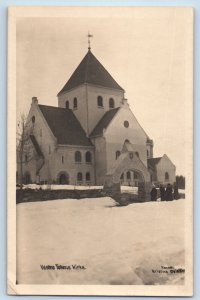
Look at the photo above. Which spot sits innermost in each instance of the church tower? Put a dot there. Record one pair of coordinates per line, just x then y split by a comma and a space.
90, 92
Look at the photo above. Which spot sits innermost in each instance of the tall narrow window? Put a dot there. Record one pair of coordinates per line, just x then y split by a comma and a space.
78, 157
62, 159
128, 175
87, 176
67, 104
33, 119
122, 176
166, 176
88, 157
75, 103
117, 154
99, 101
147, 153
111, 103
79, 177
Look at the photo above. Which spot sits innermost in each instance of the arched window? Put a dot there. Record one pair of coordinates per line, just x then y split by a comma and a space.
67, 104
88, 157
78, 157
33, 119
117, 154
79, 177
135, 175
122, 176
111, 103
87, 176
166, 176
75, 103
128, 175
99, 101
63, 178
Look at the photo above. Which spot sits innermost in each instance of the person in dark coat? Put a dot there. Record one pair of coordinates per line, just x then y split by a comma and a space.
169, 195
176, 193
162, 193
153, 194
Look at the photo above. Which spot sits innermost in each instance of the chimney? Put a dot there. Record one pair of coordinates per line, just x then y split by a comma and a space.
34, 100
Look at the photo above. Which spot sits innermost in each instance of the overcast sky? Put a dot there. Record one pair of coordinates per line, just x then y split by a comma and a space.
145, 50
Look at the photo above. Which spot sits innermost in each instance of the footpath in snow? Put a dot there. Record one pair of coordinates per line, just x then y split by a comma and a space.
113, 245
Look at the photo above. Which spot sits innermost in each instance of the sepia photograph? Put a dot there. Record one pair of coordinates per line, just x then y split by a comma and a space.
100, 129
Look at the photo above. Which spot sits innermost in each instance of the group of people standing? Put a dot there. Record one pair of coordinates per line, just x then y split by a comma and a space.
167, 193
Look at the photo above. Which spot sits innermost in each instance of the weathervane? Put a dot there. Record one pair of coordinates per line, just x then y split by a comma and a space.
89, 36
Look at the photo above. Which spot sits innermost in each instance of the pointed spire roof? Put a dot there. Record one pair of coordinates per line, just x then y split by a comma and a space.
91, 71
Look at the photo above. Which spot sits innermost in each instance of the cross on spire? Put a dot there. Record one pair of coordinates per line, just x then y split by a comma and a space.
89, 36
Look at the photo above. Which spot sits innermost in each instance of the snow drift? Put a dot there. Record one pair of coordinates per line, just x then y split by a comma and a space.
114, 245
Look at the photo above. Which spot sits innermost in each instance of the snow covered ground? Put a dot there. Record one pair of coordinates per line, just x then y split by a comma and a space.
114, 245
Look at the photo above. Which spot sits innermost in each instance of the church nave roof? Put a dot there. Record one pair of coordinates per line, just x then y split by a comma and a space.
64, 126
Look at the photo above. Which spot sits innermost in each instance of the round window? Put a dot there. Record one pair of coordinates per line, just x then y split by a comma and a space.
126, 124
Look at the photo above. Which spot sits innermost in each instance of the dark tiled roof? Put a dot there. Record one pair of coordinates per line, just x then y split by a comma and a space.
65, 126
91, 71
104, 122
152, 162
36, 145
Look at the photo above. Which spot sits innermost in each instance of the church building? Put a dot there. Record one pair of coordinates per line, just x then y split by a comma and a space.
81, 139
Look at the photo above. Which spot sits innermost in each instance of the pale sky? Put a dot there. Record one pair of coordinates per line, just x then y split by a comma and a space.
147, 51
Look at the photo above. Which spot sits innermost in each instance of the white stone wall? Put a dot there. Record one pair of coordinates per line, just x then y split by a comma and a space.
53, 154
70, 166
41, 130
45, 139
100, 166
116, 134
81, 111
88, 113
165, 165
95, 113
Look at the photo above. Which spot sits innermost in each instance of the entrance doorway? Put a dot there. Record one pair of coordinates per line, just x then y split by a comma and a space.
63, 178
